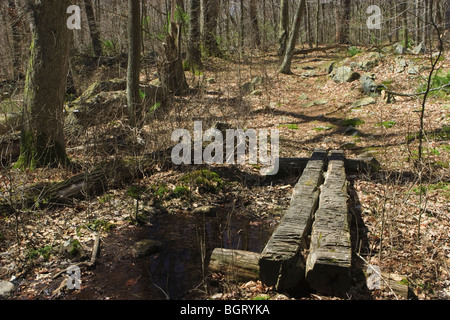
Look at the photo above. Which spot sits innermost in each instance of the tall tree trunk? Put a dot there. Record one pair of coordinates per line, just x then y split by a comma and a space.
286, 65
405, 35
417, 22
343, 22
317, 24
210, 28
284, 27
16, 23
93, 29
194, 57
42, 140
134, 57
255, 23
242, 26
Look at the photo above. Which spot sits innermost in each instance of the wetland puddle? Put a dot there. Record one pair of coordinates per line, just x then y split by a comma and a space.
178, 271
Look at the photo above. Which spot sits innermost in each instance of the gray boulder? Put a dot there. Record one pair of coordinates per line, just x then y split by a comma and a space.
399, 49
419, 49
369, 85
345, 74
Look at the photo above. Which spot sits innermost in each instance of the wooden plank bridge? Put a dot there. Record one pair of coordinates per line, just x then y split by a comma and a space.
311, 245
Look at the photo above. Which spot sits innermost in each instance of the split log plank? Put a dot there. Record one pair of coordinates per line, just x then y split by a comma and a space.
281, 263
329, 260
235, 264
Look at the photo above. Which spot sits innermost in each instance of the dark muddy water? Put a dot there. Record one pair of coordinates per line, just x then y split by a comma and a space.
178, 271
188, 242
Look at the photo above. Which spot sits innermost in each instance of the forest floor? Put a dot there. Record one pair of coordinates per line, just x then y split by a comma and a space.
401, 213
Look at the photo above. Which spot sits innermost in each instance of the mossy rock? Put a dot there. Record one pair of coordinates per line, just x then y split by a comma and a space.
72, 249
145, 248
204, 180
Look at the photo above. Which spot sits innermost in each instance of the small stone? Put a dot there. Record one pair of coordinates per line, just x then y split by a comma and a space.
6, 289
206, 210
351, 131
363, 102
413, 70
320, 102
303, 97
308, 104
348, 145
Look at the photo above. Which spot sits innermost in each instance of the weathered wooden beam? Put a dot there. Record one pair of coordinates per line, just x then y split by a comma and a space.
281, 263
295, 166
235, 264
329, 260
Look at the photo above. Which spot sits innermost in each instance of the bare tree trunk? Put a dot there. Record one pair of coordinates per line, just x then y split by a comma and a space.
42, 139
317, 23
210, 27
417, 22
194, 59
284, 27
16, 23
93, 30
343, 22
134, 57
286, 65
255, 24
242, 29
405, 36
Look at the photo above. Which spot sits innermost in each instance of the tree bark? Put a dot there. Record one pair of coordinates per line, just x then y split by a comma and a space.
343, 22
134, 57
16, 23
405, 35
210, 25
242, 27
284, 27
317, 24
286, 65
93, 29
194, 58
255, 23
42, 137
